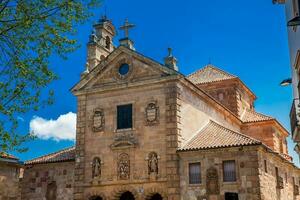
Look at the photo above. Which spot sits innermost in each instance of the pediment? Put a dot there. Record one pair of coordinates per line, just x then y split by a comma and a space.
107, 73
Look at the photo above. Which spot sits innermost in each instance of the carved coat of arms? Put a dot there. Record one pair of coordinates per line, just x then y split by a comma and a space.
212, 181
152, 113
98, 120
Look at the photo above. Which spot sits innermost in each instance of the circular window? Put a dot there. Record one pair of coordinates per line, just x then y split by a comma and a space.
124, 69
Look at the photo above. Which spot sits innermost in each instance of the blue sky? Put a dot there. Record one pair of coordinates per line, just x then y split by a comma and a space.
245, 38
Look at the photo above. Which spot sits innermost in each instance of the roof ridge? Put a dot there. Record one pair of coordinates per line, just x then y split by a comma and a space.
53, 153
212, 67
254, 116
215, 135
239, 133
255, 112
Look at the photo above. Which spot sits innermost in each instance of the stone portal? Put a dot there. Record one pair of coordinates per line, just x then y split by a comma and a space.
127, 196
95, 198
155, 197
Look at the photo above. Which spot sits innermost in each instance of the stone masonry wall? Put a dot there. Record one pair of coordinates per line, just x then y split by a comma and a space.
195, 113
42, 179
224, 92
109, 143
268, 134
287, 171
80, 148
247, 184
9, 182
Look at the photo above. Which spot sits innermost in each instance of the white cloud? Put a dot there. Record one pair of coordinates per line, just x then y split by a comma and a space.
63, 128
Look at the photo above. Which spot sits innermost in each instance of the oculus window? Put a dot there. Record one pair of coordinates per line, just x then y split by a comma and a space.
124, 69
124, 116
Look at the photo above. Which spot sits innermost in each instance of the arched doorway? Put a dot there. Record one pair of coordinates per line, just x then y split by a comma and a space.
155, 197
95, 198
127, 196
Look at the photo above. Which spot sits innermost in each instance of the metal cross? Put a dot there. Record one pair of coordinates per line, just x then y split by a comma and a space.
126, 27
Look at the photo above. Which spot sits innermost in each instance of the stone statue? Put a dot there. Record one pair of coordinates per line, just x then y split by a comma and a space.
153, 163
96, 167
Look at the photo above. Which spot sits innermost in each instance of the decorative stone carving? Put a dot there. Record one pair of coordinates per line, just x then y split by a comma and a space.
152, 113
96, 167
98, 120
212, 181
153, 163
124, 166
124, 139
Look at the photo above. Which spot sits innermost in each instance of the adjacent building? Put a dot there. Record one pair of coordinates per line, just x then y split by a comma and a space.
292, 8
10, 175
146, 131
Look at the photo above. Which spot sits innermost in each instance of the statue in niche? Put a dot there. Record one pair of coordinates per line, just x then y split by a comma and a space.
152, 113
212, 181
153, 163
98, 120
96, 168
124, 166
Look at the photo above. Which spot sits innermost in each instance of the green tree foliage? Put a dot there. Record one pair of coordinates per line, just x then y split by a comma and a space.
30, 32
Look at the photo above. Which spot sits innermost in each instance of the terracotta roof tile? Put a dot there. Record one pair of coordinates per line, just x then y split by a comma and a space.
252, 116
209, 74
214, 135
60, 156
7, 156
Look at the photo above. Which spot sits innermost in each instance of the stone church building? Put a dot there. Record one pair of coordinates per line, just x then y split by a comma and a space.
146, 131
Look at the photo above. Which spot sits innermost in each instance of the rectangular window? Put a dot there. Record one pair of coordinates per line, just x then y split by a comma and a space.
195, 173
279, 179
124, 116
229, 171
266, 166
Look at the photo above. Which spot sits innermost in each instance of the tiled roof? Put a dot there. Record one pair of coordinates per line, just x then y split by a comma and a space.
209, 74
60, 156
214, 135
7, 156
252, 116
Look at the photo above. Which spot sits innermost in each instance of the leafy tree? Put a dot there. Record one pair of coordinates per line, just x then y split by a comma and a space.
30, 32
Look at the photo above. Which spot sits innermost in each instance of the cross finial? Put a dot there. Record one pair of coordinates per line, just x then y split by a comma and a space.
126, 27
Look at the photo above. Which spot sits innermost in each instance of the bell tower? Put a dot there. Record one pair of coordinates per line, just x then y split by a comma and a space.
100, 43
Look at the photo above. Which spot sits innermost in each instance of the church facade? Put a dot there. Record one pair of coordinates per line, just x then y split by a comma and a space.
146, 131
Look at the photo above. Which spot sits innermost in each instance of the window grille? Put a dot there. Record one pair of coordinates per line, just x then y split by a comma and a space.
194, 173
229, 171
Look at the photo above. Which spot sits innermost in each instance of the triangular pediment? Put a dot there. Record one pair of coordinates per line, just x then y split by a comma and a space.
107, 74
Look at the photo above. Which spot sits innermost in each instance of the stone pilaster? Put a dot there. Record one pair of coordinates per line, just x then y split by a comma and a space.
80, 148
173, 132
